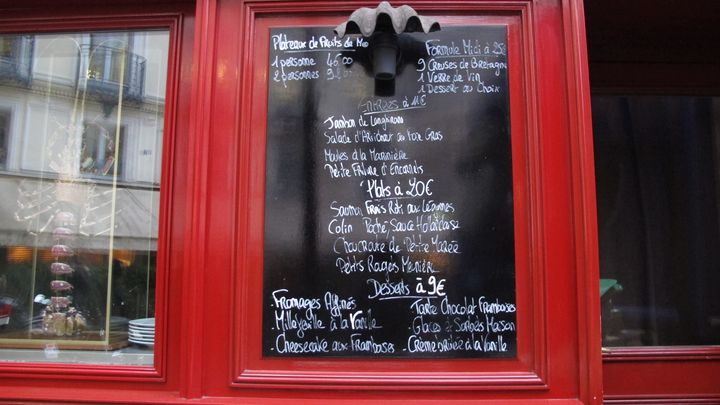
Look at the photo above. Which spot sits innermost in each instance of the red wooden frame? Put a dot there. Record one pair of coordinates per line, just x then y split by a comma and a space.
527, 372
643, 66
660, 374
169, 22
533, 140
40, 381
211, 350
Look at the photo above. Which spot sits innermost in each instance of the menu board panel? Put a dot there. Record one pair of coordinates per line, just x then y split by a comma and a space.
389, 205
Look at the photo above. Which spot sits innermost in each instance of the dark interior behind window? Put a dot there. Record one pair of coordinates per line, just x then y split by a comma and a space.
658, 188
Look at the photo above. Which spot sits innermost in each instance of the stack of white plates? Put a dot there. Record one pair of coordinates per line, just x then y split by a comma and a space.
142, 331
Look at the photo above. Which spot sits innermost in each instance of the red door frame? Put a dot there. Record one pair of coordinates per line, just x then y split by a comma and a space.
58, 382
214, 181
562, 196
528, 371
648, 65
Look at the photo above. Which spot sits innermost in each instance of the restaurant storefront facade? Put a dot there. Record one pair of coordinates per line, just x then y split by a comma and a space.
225, 202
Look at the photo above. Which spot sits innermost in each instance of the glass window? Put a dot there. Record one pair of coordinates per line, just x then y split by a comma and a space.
97, 153
79, 197
658, 187
6, 46
4, 131
107, 54
15, 58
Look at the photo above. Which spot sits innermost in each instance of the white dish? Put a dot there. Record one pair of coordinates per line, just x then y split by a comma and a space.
141, 325
138, 340
142, 329
141, 336
141, 332
143, 322
150, 330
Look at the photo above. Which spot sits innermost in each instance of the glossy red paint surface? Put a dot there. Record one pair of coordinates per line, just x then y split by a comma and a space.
523, 374
545, 233
209, 305
49, 382
633, 49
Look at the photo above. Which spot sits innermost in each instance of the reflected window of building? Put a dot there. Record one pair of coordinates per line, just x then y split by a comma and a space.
108, 55
102, 150
7, 46
4, 137
113, 66
79, 196
15, 58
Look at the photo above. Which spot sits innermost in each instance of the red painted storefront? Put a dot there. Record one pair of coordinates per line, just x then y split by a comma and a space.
210, 244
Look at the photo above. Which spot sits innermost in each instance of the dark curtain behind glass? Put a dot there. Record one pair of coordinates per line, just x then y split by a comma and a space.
658, 215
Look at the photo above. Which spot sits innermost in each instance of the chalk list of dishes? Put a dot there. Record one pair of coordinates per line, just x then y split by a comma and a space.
389, 206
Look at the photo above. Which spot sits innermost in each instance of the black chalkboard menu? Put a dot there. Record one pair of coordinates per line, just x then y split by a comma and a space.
389, 206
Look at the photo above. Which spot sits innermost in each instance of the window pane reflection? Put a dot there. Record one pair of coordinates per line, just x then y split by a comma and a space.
658, 190
81, 118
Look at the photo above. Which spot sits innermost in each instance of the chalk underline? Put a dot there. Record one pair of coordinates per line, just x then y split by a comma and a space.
407, 296
392, 111
321, 50
466, 56
400, 197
